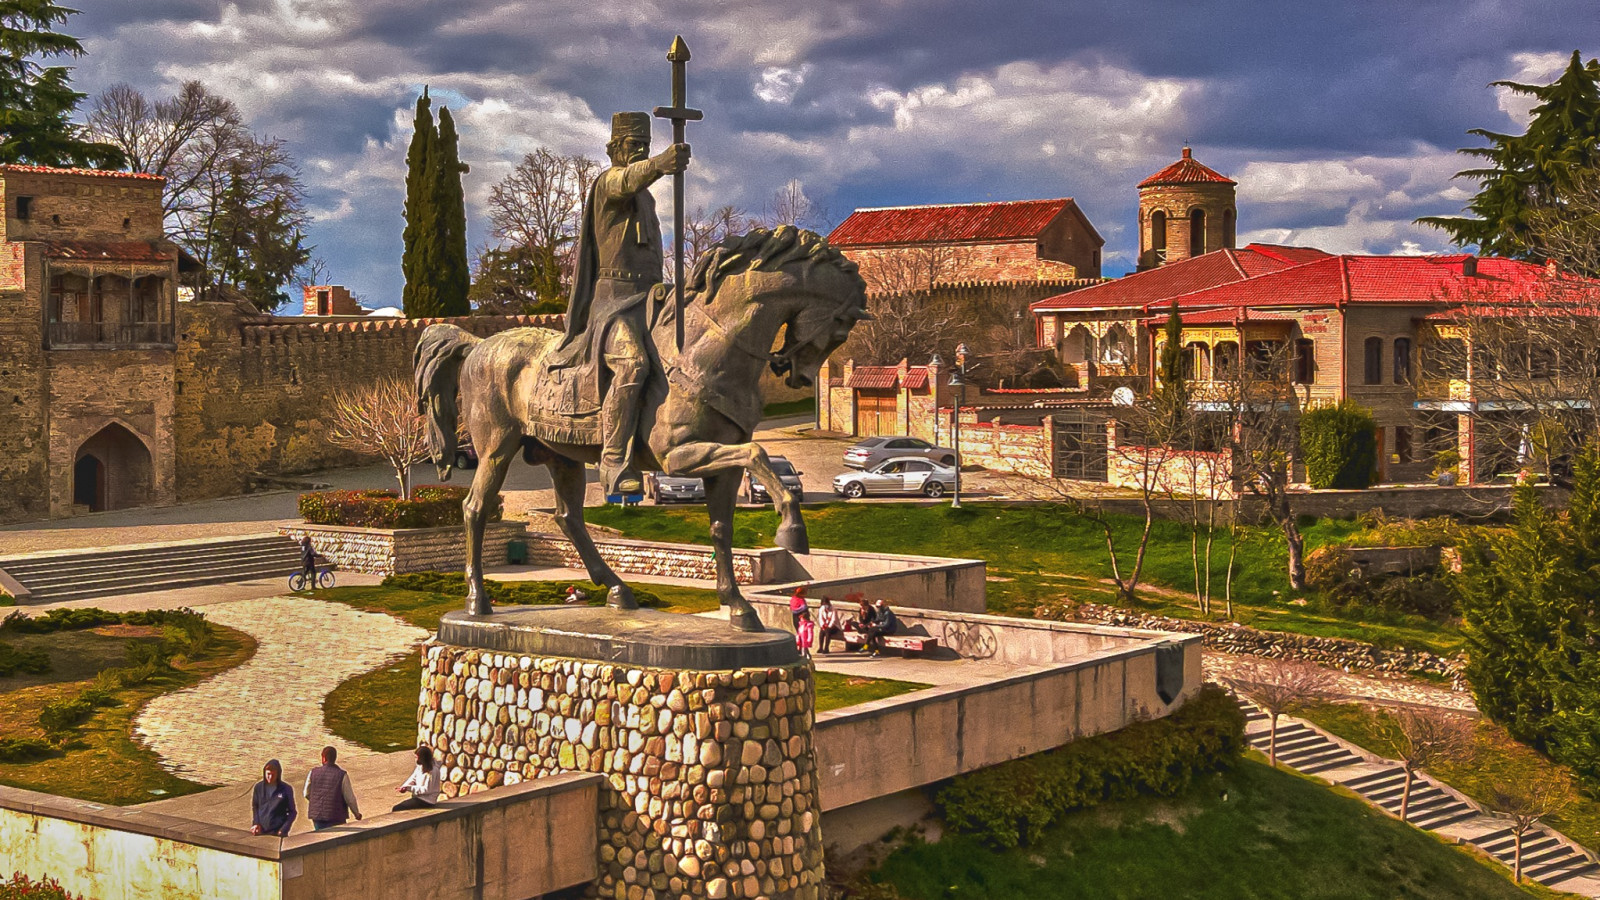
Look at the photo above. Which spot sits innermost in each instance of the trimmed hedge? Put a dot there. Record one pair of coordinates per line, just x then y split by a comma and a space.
1340, 445
1010, 804
432, 506
514, 593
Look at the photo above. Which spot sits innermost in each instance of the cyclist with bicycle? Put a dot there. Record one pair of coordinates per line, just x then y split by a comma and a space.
308, 560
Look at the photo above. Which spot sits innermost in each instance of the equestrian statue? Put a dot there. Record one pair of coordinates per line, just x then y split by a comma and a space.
618, 389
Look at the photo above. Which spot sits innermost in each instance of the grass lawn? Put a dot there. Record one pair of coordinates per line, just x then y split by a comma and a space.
1250, 834
378, 709
1495, 758
1044, 553
803, 406
104, 763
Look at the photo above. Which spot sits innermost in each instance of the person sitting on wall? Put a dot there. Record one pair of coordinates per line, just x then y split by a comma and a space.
272, 802
330, 800
861, 623
424, 783
828, 624
885, 623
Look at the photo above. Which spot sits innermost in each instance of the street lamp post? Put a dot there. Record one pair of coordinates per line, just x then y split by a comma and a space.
958, 380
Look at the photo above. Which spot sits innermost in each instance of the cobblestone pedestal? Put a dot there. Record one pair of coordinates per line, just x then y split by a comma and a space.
712, 773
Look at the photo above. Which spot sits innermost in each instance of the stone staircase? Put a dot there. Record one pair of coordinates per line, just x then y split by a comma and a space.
1548, 857
83, 574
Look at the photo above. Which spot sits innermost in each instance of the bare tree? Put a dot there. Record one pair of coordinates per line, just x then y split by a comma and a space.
789, 205
1424, 737
1277, 685
703, 230
911, 318
1264, 438
539, 206
381, 419
1526, 800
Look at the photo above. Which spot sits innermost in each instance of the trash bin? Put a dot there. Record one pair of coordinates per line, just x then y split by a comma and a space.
516, 553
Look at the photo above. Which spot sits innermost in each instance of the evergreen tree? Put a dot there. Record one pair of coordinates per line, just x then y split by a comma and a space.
36, 101
417, 261
451, 276
1172, 394
1533, 171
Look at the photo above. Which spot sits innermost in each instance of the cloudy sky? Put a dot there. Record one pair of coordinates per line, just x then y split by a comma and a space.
1338, 120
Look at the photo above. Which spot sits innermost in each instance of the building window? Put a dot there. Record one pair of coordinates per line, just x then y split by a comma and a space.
1158, 233
1230, 227
1225, 361
1197, 232
1305, 361
1374, 360
24, 208
1194, 361
1402, 361
1402, 444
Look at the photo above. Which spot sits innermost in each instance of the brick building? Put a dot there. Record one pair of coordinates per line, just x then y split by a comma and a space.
916, 247
117, 394
330, 300
1185, 210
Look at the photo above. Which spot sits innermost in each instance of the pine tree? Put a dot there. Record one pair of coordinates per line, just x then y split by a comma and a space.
417, 261
1532, 171
451, 277
36, 101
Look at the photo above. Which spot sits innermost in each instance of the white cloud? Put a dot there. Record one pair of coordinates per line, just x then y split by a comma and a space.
1532, 68
779, 84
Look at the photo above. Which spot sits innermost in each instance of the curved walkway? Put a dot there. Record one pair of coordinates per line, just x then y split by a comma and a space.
222, 730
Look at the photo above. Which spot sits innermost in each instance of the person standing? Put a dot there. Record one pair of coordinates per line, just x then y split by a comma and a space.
272, 802
797, 604
330, 800
805, 632
424, 783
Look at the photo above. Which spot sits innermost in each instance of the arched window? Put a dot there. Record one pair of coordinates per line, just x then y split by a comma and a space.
1229, 228
1197, 232
1402, 360
1374, 361
1225, 361
1158, 233
1195, 356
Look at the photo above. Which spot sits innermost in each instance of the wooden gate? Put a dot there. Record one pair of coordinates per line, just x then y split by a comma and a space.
877, 412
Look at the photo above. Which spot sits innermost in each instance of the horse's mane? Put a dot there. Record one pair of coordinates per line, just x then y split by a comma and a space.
764, 250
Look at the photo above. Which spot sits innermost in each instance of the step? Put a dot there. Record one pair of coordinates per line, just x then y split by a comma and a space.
24, 563
232, 575
1553, 876
123, 572
1331, 764
217, 568
1332, 758
1293, 741
1358, 783
1507, 843
1432, 824
1560, 853
110, 562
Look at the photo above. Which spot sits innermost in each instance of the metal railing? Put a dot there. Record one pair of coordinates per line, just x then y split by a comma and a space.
109, 334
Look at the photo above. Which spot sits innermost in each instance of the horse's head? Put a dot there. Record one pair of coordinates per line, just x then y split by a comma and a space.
791, 280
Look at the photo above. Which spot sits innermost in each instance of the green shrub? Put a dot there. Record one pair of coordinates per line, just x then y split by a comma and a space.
23, 659
1340, 446
20, 887
429, 507
510, 593
62, 716
1013, 802
24, 750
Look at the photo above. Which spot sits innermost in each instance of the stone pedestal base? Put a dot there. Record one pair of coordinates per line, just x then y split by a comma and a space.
712, 773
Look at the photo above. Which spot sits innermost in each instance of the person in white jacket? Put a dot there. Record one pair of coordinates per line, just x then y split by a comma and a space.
423, 785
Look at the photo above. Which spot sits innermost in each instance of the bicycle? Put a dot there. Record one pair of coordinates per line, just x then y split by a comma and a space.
298, 581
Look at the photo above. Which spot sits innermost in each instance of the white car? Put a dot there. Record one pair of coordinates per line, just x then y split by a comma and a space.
869, 452
899, 475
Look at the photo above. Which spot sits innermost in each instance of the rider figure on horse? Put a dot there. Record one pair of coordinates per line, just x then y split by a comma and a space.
619, 261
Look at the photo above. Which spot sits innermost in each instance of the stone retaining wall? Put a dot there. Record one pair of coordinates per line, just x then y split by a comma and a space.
1335, 653
712, 778
630, 557
380, 551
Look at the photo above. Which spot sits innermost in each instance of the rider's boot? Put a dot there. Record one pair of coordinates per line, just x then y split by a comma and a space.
619, 418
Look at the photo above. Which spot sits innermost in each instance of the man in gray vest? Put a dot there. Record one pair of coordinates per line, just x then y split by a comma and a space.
330, 800
619, 260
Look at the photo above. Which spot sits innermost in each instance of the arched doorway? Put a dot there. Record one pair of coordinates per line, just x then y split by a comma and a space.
112, 470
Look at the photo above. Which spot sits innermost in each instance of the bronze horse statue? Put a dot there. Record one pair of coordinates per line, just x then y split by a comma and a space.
700, 409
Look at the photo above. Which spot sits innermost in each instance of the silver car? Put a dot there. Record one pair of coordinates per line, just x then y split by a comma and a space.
673, 489
900, 475
873, 450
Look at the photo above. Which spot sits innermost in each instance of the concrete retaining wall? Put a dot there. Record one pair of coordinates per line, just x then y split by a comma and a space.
518, 842
380, 551
927, 582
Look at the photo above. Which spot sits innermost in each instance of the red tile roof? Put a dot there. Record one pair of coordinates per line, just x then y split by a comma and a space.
109, 251
1186, 171
1339, 280
1230, 315
873, 377
1185, 276
1013, 220
53, 170
916, 378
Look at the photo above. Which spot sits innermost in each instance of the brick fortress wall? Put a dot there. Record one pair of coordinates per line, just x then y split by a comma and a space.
252, 392
23, 442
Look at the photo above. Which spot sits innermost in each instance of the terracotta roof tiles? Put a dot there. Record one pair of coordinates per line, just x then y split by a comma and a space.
54, 170
1013, 220
1186, 171
1185, 276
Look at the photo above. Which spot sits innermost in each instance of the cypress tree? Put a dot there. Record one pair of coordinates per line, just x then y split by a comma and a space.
417, 261
1529, 172
451, 276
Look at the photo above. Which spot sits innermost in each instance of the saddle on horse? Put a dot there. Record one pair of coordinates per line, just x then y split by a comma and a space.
570, 388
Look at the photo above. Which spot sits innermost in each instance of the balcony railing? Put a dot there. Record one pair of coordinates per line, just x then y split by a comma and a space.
110, 334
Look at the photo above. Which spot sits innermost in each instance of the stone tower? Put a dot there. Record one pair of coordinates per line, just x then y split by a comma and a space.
1185, 210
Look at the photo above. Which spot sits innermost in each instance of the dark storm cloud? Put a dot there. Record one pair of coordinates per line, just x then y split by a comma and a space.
1339, 119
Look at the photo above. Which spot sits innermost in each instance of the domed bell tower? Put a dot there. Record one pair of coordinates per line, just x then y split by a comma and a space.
1185, 210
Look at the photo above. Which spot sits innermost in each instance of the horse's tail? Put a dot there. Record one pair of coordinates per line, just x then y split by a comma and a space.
437, 366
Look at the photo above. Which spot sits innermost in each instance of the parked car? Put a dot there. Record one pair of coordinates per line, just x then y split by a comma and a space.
673, 489
868, 453
466, 455
754, 492
900, 475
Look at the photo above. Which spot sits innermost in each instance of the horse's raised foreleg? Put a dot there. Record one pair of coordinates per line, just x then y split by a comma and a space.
567, 477
722, 494
494, 459
702, 458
